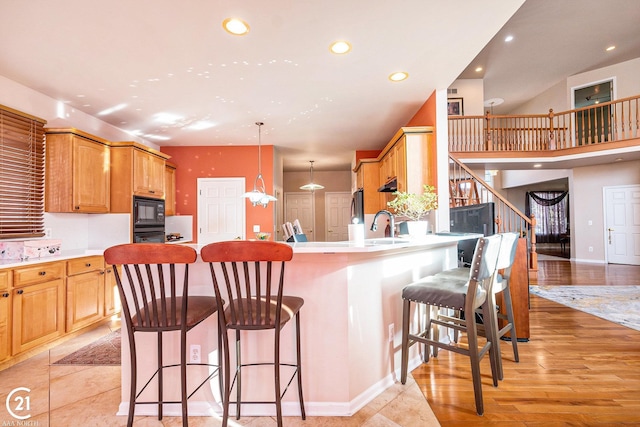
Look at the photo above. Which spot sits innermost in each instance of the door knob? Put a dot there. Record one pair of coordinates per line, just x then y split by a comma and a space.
609, 233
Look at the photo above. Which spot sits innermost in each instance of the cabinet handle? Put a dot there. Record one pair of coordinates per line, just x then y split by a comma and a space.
88, 264
20, 291
5, 295
151, 191
76, 208
42, 273
102, 272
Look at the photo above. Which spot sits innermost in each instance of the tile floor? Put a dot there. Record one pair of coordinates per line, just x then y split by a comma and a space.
70, 396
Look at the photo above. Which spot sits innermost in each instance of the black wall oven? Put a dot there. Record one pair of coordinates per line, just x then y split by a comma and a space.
148, 220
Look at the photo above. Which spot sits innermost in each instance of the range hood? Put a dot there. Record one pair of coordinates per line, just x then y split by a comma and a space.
389, 186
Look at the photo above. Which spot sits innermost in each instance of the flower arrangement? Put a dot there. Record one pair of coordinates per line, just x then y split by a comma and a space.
414, 206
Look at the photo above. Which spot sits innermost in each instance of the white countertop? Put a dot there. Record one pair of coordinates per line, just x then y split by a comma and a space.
383, 244
62, 256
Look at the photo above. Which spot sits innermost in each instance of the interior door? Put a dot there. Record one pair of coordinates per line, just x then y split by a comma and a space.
221, 209
300, 206
337, 214
622, 211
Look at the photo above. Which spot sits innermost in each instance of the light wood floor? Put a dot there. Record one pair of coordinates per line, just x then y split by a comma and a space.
576, 370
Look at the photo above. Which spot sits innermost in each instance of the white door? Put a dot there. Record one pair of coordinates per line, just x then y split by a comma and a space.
622, 221
300, 206
221, 209
337, 216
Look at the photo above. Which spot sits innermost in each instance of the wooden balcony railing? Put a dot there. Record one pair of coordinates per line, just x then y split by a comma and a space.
604, 123
467, 188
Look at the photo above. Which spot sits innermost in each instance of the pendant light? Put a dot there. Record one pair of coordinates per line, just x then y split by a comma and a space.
311, 186
258, 196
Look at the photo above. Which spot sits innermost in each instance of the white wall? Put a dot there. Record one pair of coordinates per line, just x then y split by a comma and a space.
73, 229
472, 93
586, 200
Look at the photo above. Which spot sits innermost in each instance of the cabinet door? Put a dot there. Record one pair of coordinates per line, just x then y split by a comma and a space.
148, 175
5, 315
111, 295
38, 314
90, 176
399, 152
5, 325
169, 190
85, 299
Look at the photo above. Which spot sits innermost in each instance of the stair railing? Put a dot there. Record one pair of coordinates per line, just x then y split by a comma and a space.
467, 188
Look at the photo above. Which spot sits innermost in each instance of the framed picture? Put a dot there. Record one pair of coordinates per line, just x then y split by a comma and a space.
454, 107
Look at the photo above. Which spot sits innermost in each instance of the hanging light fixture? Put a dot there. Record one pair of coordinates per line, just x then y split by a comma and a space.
311, 186
258, 196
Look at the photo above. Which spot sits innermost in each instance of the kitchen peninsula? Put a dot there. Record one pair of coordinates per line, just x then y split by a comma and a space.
351, 326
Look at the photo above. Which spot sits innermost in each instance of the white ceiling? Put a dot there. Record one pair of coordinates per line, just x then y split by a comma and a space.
163, 57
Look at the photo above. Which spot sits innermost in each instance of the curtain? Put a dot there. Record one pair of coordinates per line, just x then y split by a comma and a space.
551, 211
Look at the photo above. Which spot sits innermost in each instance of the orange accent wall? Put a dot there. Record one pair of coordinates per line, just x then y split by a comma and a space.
195, 162
366, 154
426, 115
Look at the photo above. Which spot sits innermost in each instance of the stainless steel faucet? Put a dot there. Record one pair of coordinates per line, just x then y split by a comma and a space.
374, 226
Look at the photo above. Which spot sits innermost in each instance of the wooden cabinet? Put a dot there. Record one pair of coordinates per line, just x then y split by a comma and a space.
368, 178
77, 172
5, 315
38, 305
410, 157
85, 292
136, 170
170, 189
111, 295
148, 174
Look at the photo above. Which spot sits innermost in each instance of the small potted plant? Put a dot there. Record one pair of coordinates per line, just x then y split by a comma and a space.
414, 207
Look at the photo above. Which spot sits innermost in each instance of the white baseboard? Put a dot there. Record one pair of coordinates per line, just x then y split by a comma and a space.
289, 408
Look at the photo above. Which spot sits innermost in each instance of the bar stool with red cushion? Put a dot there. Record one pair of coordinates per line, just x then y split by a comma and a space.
153, 281
250, 274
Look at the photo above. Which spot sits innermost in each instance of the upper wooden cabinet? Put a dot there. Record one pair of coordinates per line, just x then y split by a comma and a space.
170, 189
136, 170
76, 172
410, 158
368, 179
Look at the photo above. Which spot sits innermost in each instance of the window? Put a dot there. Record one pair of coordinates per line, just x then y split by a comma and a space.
21, 175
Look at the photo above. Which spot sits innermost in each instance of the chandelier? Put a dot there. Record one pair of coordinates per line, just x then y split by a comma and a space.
311, 186
258, 196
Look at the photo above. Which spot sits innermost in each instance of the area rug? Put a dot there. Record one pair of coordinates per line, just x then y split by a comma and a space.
105, 351
618, 304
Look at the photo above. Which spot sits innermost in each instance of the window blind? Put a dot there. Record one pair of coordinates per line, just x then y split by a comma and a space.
21, 174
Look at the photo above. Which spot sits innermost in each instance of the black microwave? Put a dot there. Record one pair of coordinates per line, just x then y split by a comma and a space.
147, 212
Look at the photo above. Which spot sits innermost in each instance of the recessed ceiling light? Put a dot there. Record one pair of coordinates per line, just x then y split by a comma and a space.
235, 26
399, 76
340, 47
610, 48
537, 165
508, 38
619, 159
478, 69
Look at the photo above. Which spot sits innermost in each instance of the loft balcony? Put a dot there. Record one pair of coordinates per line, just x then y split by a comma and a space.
585, 136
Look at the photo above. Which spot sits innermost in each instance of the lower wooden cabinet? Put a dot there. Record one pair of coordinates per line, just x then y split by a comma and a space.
5, 315
85, 292
42, 302
38, 314
111, 296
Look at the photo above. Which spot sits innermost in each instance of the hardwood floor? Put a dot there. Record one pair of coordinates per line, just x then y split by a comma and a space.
577, 369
